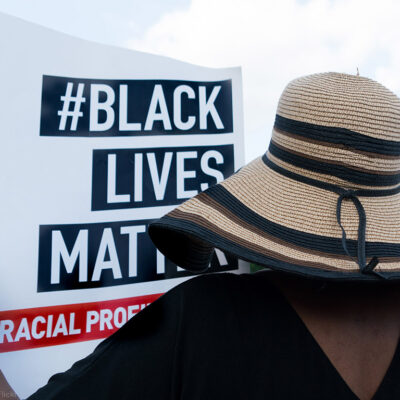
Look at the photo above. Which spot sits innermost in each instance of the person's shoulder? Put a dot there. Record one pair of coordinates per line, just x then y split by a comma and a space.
219, 304
218, 290
227, 281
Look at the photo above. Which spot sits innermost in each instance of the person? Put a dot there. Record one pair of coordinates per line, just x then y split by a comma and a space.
320, 211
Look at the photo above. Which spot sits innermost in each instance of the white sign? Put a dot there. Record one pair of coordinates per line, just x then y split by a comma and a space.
96, 142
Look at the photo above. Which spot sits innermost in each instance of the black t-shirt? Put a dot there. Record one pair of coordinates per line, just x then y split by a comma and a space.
216, 336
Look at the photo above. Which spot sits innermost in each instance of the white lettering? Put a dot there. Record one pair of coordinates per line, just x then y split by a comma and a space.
159, 184
157, 99
178, 107
112, 196
132, 232
58, 248
49, 326
160, 263
96, 106
138, 177
23, 331
107, 243
61, 326
218, 175
72, 329
6, 327
105, 319
182, 174
221, 257
133, 310
207, 107
35, 333
119, 317
92, 317
124, 125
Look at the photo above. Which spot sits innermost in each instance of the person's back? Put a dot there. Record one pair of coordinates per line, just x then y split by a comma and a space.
356, 326
236, 336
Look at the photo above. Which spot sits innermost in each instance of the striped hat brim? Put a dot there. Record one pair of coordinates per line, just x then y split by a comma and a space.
276, 218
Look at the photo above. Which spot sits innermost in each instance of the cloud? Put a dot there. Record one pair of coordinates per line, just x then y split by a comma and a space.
276, 41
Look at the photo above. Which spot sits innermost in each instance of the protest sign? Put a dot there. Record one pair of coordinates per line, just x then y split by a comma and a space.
96, 142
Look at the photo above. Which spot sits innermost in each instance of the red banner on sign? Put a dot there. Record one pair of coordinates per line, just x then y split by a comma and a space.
49, 326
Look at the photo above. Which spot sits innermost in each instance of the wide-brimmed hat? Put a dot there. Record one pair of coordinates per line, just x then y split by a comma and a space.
323, 201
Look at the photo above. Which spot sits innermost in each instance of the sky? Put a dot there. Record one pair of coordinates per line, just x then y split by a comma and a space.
273, 41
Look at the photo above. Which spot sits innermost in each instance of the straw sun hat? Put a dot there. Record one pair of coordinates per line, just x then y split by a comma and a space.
323, 201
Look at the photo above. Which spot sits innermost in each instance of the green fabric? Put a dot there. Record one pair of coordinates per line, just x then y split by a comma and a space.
255, 268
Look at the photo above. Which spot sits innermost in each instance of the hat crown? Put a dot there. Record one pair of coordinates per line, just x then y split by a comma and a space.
339, 128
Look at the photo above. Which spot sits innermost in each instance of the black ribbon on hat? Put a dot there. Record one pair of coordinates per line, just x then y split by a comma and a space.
362, 224
343, 194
